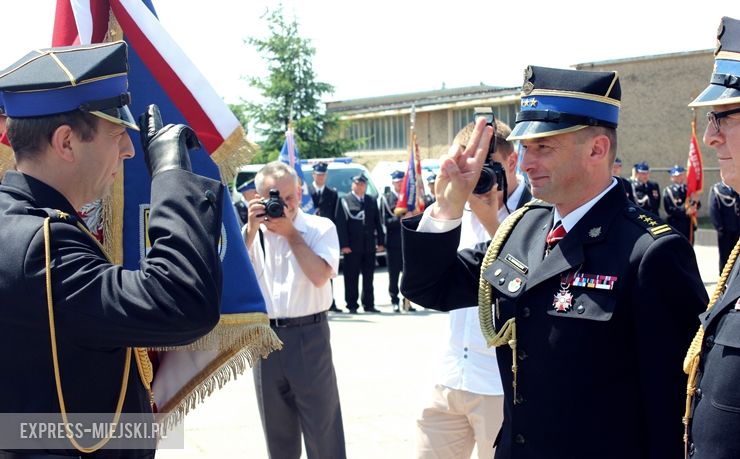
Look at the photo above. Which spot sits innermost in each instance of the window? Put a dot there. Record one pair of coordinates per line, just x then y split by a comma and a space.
463, 116
386, 133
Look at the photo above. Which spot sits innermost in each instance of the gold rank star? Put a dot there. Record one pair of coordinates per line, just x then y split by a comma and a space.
62, 215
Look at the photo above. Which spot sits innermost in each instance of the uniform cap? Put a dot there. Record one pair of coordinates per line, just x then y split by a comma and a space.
246, 186
320, 168
724, 84
90, 78
642, 167
556, 101
432, 178
677, 170
359, 178
397, 176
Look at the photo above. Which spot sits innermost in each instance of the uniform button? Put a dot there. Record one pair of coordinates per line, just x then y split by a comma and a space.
698, 394
521, 354
580, 309
465, 349
211, 196
501, 281
518, 400
525, 312
631, 209
709, 341
692, 449
519, 439
465, 356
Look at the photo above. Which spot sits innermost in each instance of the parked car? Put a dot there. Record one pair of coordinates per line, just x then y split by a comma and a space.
382, 172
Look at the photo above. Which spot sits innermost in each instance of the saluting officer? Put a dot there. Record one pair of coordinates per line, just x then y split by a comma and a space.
645, 191
724, 211
591, 296
74, 324
679, 212
713, 361
360, 236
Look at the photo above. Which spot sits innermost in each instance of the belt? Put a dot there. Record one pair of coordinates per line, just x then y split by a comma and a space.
298, 321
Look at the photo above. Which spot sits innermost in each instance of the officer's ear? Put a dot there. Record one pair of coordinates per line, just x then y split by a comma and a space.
600, 146
62, 143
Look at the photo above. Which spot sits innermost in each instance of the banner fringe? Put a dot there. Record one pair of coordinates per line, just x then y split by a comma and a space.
226, 367
236, 151
7, 159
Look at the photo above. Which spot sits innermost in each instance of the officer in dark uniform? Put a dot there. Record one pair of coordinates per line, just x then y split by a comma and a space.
592, 298
645, 192
324, 198
360, 235
674, 202
75, 325
626, 184
724, 211
713, 360
325, 202
430, 198
248, 192
392, 221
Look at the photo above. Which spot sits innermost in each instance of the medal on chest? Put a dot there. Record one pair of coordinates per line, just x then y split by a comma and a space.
563, 299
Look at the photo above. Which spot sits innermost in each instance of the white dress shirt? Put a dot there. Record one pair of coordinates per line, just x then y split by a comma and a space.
288, 292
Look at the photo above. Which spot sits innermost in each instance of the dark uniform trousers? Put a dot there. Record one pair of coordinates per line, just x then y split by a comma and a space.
359, 228
603, 379
715, 424
646, 195
100, 309
724, 211
394, 255
299, 388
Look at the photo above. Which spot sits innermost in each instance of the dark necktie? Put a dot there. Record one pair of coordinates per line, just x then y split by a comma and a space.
554, 236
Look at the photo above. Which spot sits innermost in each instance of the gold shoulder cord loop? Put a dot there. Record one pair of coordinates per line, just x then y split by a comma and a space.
507, 333
691, 362
55, 358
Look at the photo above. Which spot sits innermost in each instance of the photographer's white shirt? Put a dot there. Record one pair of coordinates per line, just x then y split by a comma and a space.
287, 290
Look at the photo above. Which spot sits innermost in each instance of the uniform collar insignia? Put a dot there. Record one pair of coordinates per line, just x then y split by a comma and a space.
594, 232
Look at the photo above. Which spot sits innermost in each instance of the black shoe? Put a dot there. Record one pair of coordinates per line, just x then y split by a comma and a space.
372, 309
352, 311
396, 308
333, 308
411, 309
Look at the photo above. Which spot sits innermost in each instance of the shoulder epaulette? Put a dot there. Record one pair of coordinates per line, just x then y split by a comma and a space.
55, 214
537, 203
650, 223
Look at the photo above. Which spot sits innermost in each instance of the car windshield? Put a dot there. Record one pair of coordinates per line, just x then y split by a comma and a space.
341, 180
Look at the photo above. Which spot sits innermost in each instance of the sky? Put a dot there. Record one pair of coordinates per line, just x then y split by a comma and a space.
385, 47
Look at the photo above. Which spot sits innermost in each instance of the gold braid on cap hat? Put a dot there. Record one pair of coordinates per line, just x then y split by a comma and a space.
693, 356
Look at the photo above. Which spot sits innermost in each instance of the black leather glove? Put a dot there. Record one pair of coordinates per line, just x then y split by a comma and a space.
165, 147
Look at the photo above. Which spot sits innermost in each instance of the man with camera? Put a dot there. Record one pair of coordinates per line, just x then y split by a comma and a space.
588, 299
294, 255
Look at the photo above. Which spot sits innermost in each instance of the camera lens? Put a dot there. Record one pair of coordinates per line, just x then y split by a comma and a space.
486, 181
274, 209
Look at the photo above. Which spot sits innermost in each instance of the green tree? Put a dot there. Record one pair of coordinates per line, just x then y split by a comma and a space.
292, 96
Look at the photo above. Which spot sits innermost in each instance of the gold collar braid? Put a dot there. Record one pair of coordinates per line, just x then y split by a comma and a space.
691, 362
55, 359
507, 333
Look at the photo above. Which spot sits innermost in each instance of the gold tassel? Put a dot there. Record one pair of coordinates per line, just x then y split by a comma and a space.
236, 151
7, 159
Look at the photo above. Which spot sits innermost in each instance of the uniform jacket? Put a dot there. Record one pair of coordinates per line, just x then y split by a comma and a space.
100, 308
525, 198
715, 424
358, 223
628, 191
604, 379
391, 221
326, 204
724, 208
674, 203
647, 195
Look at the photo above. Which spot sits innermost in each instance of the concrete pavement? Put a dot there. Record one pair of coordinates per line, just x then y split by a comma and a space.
385, 366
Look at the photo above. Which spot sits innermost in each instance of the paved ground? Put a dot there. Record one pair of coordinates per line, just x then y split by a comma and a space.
385, 366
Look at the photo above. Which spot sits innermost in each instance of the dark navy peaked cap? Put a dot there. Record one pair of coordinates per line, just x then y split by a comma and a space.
724, 85
397, 176
90, 78
642, 167
320, 168
556, 101
677, 170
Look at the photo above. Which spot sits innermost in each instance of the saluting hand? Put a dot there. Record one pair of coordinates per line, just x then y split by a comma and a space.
459, 173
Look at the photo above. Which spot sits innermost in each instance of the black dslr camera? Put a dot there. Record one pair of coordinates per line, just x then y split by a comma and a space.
274, 205
493, 171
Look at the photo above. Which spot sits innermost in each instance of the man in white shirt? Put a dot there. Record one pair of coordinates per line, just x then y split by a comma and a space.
294, 256
589, 300
466, 407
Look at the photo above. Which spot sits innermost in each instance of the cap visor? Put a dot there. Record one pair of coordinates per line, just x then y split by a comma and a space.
120, 116
717, 95
537, 129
